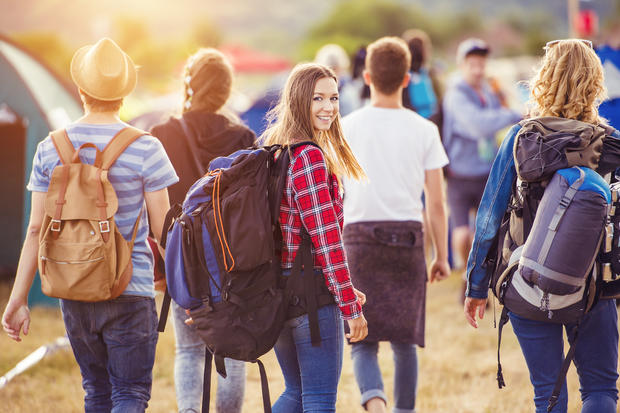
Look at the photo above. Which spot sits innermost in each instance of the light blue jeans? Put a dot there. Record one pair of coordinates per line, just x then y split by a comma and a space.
368, 374
311, 374
189, 371
596, 358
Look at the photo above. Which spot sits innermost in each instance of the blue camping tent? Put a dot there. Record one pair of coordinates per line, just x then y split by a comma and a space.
610, 108
33, 101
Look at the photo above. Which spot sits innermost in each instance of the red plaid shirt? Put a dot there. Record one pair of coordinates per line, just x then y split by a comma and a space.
311, 195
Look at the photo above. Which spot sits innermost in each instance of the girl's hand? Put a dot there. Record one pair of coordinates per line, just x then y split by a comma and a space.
358, 329
470, 306
361, 297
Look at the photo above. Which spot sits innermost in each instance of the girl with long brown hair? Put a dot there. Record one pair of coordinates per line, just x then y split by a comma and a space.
311, 213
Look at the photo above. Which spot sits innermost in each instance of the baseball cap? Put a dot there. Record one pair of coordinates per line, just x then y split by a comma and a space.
471, 45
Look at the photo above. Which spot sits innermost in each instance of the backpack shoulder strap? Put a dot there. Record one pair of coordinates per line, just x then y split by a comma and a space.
118, 144
63, 145
298, 144
193, 147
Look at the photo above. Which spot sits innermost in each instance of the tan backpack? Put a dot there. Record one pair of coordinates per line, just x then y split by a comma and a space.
82, 254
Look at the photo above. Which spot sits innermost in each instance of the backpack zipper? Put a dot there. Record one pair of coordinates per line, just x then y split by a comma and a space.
71, 262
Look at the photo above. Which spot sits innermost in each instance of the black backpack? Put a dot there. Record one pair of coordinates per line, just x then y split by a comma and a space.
223, 261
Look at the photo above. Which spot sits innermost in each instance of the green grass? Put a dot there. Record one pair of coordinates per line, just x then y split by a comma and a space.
457, 368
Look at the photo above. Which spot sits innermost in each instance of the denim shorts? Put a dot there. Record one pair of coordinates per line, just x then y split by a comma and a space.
464, 195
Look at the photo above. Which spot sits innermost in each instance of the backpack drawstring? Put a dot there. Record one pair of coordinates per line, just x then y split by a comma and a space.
219, 222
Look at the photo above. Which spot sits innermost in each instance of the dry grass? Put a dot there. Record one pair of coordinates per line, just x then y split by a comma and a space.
457, 368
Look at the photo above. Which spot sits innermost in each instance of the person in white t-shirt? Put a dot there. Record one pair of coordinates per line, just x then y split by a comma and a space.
402, 156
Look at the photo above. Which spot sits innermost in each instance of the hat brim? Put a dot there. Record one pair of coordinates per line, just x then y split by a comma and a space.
84, 84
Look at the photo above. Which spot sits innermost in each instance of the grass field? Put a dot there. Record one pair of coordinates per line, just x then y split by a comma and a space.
457, 368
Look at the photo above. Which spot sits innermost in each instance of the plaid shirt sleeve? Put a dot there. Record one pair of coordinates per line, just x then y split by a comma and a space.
313, 198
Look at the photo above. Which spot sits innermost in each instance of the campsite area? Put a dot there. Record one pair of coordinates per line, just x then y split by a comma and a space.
457, 369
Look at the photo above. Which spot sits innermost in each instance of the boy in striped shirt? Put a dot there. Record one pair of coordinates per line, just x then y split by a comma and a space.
113, 341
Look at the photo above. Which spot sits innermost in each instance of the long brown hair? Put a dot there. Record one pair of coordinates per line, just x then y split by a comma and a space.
290, 121
570, 83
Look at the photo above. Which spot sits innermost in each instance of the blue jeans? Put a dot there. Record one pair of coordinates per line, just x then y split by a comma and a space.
368, 374
596, 358
189, 365
114, 345
311, 374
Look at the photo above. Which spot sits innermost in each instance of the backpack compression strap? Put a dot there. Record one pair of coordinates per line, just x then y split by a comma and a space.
555, 395
503, 319
305, 276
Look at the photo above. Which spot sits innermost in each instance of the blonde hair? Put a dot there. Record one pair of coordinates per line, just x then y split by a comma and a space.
290, 121
569, 84
208, 81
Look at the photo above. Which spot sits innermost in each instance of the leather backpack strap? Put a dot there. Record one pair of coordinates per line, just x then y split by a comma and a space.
118, 144
63, 145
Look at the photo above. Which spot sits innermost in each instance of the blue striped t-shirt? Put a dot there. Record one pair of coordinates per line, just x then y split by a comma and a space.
143, 167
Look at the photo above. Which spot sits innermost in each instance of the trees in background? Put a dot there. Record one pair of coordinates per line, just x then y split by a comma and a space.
352, 23
159, 61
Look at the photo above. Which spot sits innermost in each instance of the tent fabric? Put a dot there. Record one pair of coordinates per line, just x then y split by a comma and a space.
248, 60
41, 101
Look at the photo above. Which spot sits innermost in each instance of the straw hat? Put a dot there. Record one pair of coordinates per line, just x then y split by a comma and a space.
103, 70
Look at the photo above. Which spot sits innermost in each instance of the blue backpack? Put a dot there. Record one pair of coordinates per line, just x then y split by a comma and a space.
421, 94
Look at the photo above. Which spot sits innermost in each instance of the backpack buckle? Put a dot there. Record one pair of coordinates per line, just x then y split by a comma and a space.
104, 226
55, 225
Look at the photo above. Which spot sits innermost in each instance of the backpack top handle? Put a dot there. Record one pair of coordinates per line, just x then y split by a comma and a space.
76, 154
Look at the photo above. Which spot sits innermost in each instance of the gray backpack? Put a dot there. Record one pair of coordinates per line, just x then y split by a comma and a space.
553, 273
544, 265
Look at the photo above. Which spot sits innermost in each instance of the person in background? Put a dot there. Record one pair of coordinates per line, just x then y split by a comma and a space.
609, 53
336, 58
311, 208
356, 93
568, 87
204, 131
113, 341
402, 155
472, 116
423, 93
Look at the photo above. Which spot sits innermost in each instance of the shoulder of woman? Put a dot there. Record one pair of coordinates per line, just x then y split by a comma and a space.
170, 126
308, 150
306, 154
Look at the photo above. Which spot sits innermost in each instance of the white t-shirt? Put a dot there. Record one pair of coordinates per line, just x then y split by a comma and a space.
395, 147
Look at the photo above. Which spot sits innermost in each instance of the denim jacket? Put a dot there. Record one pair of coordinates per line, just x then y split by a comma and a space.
492, 207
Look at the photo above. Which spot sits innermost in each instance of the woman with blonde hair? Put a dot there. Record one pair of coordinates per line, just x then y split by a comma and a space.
310, 347
204, 131
566, 92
